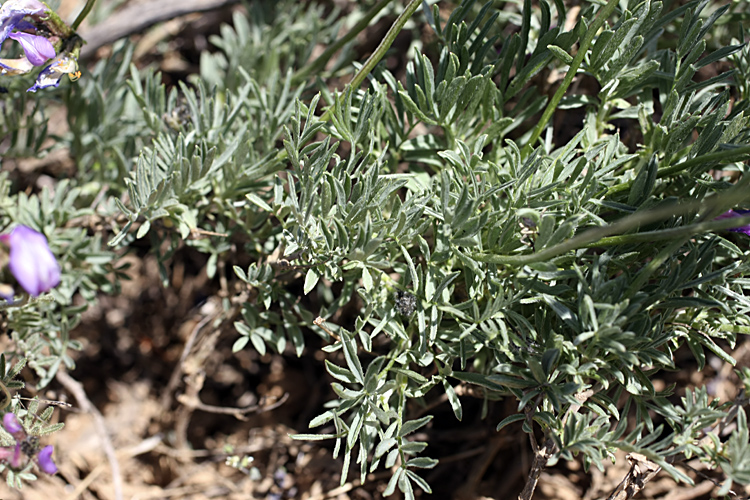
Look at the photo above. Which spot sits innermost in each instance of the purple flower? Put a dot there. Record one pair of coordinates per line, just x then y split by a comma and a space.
44, 459
37, 48
11, 423
26, 448
51, 75
13, 11
31, 260
737, 213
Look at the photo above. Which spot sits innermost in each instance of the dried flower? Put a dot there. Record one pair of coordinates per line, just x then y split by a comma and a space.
31, 261
406, 303
52, 74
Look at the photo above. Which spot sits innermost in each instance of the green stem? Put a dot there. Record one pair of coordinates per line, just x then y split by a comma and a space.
321, 61
85, 12
376, 56
604, 236
587, 238
675, 232
392, 360
588, 37
728, 199
737, 154
390, 37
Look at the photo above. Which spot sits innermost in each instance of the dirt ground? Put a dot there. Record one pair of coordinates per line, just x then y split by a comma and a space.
159, 401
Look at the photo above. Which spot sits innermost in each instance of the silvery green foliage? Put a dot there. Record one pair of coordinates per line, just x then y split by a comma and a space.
524, 287
562, 273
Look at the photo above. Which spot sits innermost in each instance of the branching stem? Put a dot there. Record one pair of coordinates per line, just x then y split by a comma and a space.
541, 456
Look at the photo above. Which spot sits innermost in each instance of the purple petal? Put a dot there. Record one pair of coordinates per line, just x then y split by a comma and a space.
11, 423
38, 49
12, 13
736, 213
28, 7
20, 8
25, 26
45, 460
32, 262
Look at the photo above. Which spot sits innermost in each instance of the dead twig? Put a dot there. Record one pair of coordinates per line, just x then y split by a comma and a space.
713, 481
139, 449
543, 454
697, 491
239, 413
75, 388
138, 17
174, 379
321, 323
347, 487
184, 492
642, 470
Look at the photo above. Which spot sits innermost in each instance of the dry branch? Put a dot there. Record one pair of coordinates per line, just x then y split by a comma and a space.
76, 388
642, 470
138, 17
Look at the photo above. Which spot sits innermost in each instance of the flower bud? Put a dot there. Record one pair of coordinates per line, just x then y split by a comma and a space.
31, 261
44, 459
11, 423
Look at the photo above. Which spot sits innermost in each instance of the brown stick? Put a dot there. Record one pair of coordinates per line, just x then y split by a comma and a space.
140, 16
174, 380
239, 413
541, 455
76, 388
143, 447
642, 470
